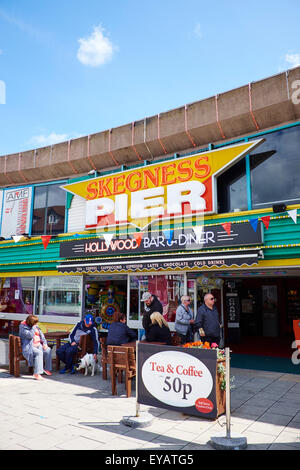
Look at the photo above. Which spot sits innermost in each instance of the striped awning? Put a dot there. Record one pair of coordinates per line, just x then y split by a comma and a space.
158, 263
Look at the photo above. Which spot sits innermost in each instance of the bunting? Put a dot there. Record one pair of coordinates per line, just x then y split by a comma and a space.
254, 223
45, 240
266, 221
108, 238
138, 237
198, 230
168, 234
293, 214
227, 227
17, 238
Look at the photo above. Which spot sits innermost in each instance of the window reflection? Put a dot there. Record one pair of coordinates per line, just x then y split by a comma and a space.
59, 296
48, 210
17, 295
168, 289
232, 188
275, 167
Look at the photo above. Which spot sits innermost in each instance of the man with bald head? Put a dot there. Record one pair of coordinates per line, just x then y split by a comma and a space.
207, 321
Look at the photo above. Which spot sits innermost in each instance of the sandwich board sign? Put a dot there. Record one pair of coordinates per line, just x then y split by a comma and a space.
178, 379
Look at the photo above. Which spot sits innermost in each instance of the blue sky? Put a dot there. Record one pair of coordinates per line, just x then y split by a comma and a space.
71, 68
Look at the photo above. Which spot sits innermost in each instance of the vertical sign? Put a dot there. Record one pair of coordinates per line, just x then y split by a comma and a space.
232, 307
16, 211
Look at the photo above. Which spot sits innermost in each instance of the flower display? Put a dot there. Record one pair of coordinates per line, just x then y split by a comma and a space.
220, 356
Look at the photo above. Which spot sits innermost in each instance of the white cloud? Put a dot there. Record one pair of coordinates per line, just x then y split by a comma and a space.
292, 59
45, 140
198, 31
96, 49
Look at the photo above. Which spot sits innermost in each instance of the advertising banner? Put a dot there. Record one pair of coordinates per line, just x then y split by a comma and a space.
16, 211
211, 237
189, 262
178, 379
175, 188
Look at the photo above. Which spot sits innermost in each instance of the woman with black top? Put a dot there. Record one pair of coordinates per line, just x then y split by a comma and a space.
159, 330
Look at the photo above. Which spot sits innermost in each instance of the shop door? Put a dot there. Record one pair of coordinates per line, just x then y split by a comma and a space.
250, 312
215, 290
270, 311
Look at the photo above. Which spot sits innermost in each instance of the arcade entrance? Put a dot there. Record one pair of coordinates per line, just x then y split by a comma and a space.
104, 295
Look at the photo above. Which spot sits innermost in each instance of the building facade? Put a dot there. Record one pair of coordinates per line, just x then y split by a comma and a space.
203, 198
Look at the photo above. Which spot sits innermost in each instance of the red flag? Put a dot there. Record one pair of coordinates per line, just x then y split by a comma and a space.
138, 237
266, 221
227, 226
46, 239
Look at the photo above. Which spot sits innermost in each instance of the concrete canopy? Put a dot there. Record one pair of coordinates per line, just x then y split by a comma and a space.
257, 106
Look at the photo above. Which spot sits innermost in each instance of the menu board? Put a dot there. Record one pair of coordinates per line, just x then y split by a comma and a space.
293, 304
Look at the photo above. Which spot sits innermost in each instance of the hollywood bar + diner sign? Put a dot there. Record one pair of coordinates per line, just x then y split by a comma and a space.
172, 189
211, 237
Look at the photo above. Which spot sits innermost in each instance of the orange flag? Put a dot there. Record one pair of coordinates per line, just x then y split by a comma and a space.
45, 240
138, 237
227, 226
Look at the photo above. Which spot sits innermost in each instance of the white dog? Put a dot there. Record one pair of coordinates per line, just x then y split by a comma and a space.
86, 362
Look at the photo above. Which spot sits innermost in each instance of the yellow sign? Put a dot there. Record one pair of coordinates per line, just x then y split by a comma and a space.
174, 188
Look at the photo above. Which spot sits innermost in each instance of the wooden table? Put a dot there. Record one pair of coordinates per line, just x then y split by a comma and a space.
132, 344
57, 336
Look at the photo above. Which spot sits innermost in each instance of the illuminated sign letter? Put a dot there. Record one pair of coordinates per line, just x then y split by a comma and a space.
146, 203
190, 192
96, 208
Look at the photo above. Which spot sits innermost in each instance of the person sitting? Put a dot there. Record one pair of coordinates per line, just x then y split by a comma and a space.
67, 351
34, 347
119, 333
159, 329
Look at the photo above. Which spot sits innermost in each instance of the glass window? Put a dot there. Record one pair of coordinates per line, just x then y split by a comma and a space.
275, 168
232, 188
167, 288
59, 296
17, 295
48, 210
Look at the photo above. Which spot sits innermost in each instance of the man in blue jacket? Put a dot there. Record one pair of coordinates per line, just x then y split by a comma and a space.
67, 351
207, 321
119, 333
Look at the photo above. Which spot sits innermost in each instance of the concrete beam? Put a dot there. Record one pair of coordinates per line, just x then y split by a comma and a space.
236, 113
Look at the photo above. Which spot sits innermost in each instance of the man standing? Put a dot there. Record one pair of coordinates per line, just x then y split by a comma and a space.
67, 351
207, 320
151, 304
184, 320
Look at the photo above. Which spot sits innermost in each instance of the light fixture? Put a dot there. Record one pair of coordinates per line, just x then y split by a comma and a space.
279, 207
26, 236
93, 173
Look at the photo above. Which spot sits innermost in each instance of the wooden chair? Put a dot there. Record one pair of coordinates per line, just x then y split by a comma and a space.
121, 359
15, 356
104, 357
85, 346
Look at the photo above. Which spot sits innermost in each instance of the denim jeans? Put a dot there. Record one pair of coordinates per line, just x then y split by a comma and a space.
40, 355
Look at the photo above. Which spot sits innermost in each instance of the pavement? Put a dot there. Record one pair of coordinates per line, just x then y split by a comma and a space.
74, 412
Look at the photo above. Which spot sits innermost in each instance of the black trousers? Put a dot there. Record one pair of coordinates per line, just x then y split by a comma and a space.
185, 338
